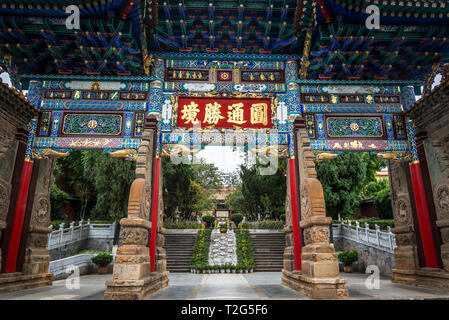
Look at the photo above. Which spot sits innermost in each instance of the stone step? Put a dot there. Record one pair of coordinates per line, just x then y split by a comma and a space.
179, 250
268, 251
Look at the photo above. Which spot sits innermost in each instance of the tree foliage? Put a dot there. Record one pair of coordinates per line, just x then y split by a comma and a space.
100, 183
260, 194
188, 188
379, 190
112, 179
344, 178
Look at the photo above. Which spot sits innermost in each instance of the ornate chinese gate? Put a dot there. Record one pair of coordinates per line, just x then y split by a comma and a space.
334, 87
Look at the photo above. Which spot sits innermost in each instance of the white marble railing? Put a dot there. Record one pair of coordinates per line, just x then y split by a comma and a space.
65, 236
382, 240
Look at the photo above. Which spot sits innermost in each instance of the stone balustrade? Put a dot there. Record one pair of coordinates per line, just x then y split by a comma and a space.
382, 240
65, 236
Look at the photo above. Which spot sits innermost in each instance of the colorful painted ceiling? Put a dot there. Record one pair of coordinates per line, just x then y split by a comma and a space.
34, 37
116, 36
413, 36
251, 26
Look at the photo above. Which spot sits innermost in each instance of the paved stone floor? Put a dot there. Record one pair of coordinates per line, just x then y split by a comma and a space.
263, 285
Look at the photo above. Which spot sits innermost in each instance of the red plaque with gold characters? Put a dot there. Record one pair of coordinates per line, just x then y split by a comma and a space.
224, 112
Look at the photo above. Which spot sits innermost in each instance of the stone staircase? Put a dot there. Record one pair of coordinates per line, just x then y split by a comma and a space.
179, 249
268, 251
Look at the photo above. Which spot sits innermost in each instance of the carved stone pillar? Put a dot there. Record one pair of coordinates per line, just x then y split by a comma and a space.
161, 255
438, 163
4, 205
406, 257
289, 256
319, 277
132, 276
37, 257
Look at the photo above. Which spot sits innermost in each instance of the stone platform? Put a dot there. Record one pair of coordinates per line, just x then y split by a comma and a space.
254, 286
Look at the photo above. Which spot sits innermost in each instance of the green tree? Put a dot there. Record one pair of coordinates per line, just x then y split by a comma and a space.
343, 179
379, 190
112, 179
203, 201
101, 184
207, 175
71, 182
259, 194
188, 188
236, 200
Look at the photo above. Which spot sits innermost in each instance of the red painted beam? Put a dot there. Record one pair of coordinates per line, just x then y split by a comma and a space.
422, 210
295, 213
19, 215
126, 9
324, 11
154, 213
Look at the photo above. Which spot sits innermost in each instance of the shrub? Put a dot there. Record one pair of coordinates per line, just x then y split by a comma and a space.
237, 218
245, 253
102, 259
200, 257
283, 217
382, 223
209, 219
348, 257
183, 225
264, 224
222, 225
382, 202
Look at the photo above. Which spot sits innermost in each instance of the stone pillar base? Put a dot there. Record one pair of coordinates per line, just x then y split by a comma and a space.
18, 281
135, 289
316, 288
429, 278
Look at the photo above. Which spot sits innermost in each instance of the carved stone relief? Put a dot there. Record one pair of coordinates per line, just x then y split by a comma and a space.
41, 210
306, 207
402, 211
319, 234
442, 200
406, 239
37, 240
147, 202
4, 200
5, 142
136, 236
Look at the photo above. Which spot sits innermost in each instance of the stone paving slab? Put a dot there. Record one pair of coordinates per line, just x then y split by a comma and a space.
91, 287
387, 289
260, 285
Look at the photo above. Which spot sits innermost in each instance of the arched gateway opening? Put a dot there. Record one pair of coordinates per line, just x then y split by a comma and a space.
303, 84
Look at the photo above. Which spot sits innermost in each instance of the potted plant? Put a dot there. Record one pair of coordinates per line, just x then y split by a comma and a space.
228, 268
223, 228
209, 219
102, 260
216, 269
240, 268
222, 269
348, 258
237, 218
233, 269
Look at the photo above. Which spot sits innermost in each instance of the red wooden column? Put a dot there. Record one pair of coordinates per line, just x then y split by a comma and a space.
422, 210
295, 212
18, 218
154, 213
422, 207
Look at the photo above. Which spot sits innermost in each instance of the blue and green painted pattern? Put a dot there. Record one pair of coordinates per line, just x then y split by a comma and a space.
93, 124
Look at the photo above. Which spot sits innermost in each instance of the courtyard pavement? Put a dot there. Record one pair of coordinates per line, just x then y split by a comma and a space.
254, 286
